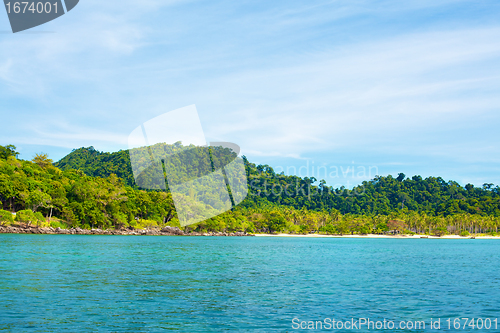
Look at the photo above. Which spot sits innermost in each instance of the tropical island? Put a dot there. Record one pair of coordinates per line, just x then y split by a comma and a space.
93, 192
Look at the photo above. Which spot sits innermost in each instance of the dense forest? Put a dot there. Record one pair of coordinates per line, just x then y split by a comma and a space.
383, 195
90, 189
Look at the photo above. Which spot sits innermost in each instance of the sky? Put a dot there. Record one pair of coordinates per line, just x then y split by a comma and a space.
348, 89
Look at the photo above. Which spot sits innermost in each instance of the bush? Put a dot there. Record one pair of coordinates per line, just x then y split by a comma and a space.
147, 224
329, 229
6, 217
464, 233
39, 217
292, 228
58, 224
440, 231
26, 216
215, 224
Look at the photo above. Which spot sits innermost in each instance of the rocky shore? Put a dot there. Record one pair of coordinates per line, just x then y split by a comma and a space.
167, 231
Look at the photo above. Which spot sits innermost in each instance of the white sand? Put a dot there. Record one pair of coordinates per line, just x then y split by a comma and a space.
374, 236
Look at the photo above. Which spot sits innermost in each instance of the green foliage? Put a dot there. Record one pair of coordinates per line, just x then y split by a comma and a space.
276, 222
96, 189
146, 224
7, 151
39, 217
5, 217
99, 164
78, 199
440, 231
380, 196
36, 199
329, 229
27, 216
58, 224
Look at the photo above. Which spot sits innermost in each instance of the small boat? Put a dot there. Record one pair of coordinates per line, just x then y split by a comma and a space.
424, 236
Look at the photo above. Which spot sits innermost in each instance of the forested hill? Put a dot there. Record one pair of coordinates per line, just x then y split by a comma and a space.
99, 164
383, 195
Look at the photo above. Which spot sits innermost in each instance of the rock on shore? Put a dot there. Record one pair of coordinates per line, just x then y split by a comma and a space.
167, 231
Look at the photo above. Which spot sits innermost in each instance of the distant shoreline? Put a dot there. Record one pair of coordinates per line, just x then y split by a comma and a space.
378, 236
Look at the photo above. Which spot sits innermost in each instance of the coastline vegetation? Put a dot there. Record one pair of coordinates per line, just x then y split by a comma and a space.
90, 189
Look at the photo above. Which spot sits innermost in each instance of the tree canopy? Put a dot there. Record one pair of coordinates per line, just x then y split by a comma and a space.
6, 151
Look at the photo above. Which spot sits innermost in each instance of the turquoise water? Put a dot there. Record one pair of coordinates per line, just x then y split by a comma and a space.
68, 283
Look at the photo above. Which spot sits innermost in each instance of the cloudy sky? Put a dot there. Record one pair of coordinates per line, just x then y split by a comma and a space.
379, 86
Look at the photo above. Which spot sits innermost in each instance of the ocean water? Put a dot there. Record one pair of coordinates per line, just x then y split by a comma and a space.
71, 283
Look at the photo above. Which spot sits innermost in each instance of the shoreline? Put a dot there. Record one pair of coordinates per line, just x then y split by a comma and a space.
379, 236
167, 231
175, 231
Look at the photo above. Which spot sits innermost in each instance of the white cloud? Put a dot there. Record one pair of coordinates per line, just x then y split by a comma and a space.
345, 98
280, 80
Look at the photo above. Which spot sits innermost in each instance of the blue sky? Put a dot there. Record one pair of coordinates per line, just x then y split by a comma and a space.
381, 86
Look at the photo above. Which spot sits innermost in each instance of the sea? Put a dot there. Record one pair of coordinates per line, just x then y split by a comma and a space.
76, 283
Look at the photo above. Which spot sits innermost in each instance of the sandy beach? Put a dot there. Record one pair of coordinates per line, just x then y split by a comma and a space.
376, 236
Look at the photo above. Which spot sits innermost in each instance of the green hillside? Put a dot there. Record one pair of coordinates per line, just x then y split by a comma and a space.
99, 164
382, 195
